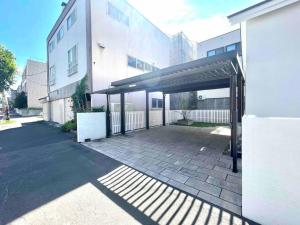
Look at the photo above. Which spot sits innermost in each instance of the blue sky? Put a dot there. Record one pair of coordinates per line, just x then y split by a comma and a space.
25, 24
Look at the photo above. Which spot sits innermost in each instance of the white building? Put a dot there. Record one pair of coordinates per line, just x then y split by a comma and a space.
231, 41
271, 156
107, 41
34, 82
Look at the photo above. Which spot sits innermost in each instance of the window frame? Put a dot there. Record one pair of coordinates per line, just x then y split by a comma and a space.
158, 103
235, 47
73, 65
60, 34
72, 18
51, 45
52, 75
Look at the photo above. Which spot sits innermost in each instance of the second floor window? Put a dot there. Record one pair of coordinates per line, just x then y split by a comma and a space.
51, 46
72, 60
140, 64
60, 34
71, 19
52, 75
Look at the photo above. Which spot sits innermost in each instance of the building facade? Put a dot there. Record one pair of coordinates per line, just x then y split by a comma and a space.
271, 155
231, 41
105, 41
34, 82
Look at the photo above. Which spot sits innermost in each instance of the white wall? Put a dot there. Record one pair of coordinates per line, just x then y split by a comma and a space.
215, 93
91, 126
59, 56
217, 42
272, 87
141, 40
271, 143
271, 177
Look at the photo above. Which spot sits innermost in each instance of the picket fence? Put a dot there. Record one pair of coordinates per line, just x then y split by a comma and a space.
136, 119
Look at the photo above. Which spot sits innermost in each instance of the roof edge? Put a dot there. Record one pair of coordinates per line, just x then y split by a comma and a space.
258, 9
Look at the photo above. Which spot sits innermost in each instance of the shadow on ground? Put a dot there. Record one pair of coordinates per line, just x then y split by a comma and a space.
47, 178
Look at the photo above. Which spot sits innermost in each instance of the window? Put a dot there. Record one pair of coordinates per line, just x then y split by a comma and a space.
72, 60
148, 67
60, 34
131, 61
230, 48
117, 14
219, 51
71, 19
52, 75
140, 64
51, 46
211, 53
157, 103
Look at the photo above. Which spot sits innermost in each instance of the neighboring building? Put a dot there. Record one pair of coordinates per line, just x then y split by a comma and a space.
182, 51
231, 41
271, 144
34, 82
107, 41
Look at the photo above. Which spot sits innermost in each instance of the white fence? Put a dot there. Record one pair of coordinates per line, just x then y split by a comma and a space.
137, 119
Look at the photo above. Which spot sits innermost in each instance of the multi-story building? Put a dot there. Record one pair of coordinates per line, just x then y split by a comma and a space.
34, 82
231, 41
105, 40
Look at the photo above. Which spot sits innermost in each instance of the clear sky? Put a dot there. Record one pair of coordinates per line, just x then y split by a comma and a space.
25, 24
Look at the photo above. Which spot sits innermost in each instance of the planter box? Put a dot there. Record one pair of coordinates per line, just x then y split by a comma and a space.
91, 126
185, 122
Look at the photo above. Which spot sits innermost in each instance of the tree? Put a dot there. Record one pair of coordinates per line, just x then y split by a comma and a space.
79, 97
184, 105
8, 69
20, 101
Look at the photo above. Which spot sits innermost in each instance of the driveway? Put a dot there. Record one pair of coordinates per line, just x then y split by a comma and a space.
47, 178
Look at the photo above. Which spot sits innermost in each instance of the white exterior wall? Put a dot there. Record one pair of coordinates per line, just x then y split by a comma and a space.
215, 93
271, 125
76, 35
141, 40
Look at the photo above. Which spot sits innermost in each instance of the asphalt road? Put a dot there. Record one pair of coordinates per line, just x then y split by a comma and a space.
47, 178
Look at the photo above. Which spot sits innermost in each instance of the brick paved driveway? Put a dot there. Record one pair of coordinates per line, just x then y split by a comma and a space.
190, 159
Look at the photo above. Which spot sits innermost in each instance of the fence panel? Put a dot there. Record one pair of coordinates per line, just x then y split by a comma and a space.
136, 119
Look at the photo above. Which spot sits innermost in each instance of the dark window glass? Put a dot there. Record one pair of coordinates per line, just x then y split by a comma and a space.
211, 53
140, 64
131, 61
154, 103
160, 103
219, 51
230, 48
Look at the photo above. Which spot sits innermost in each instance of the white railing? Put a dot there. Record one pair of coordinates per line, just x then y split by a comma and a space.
136, 119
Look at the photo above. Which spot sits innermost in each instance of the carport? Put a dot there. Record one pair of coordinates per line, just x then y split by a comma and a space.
222, 71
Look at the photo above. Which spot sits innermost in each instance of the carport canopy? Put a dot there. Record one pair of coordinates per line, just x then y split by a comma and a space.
221, 71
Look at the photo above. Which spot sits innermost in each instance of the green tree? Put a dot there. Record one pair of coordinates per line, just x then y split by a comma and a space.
79, 97
21, 101
8, 69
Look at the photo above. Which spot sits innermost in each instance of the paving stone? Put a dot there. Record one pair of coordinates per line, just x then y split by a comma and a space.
155, 168
174, 175
214, 173
203, 186
183, 187
157, 176
231, 197
225, 184
193, 173
219, 202
228, 171
234, 179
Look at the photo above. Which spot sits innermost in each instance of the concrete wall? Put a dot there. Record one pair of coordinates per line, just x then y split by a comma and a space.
272, 64
271, 177
141, 39
34, 80
76, 35
271, 125
86, 128
61, 110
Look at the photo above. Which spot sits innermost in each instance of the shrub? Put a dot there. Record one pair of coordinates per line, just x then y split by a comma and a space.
68, 126
20, 101
98, 109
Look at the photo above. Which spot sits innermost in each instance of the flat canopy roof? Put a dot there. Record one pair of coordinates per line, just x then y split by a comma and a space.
202, 74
